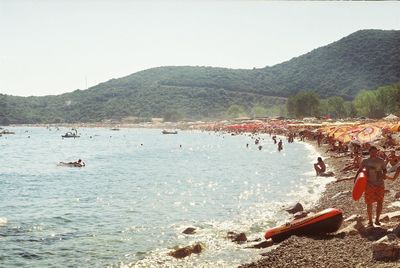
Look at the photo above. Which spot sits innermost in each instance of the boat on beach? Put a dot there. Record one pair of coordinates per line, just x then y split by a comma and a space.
323, 222
169, 132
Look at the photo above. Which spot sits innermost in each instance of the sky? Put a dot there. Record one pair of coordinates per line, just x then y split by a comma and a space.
51, 47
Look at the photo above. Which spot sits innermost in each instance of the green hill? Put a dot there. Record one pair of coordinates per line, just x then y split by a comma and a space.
363, 60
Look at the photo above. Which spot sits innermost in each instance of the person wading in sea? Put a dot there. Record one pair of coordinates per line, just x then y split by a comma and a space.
375, 188
280, 145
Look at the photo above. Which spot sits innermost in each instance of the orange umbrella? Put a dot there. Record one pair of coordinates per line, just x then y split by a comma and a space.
395, 127
345, 137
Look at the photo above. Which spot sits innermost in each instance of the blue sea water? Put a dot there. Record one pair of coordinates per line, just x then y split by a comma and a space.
139, 191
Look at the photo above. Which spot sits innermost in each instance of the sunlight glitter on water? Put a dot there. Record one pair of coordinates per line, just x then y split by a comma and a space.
130, 204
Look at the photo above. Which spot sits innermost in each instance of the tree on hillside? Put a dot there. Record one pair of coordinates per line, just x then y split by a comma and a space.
367, 104
173, 116
351, 110
3, 104
336, 107
235, 111
303, 104
259, 111
389, 98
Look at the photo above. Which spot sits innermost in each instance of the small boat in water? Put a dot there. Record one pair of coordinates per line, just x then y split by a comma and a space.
169, 132
6, 132
323, 222
71, 134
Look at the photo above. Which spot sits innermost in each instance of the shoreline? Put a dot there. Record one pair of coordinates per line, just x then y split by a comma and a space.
340, 249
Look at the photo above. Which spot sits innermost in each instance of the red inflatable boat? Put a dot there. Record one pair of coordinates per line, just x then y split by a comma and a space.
323, 222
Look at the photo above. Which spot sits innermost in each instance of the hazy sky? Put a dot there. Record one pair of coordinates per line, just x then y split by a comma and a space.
52, 47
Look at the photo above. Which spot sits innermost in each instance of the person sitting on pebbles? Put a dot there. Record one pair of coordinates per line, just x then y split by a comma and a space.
375, 188
320, 166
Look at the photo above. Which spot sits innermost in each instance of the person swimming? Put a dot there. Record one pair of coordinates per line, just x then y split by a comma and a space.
78, 163
280, 145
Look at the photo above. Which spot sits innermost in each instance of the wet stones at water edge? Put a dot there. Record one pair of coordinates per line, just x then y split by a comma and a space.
327, 174
189, 231
237, 237
186, 251
294, 209
264, 244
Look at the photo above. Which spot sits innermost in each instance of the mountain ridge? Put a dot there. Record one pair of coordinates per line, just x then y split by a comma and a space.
365, 59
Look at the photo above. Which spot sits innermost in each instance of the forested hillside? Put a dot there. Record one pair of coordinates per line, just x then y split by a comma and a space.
365, 59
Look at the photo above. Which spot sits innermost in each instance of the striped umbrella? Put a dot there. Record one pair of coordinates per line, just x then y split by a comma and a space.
345, 137
369, 133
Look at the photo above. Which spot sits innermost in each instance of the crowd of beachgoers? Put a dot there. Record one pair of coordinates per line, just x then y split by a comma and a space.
342, 146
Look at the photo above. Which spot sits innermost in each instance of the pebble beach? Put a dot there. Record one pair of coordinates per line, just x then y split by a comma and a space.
343, 248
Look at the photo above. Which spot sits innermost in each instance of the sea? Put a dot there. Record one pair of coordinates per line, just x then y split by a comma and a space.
139, 191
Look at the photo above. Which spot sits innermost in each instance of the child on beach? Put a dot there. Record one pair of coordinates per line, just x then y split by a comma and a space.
375, 188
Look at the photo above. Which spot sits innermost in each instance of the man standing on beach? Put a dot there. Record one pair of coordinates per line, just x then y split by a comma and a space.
375, 188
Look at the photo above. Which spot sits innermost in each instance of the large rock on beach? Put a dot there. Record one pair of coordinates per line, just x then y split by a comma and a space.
386, 249
186, 251
294, 209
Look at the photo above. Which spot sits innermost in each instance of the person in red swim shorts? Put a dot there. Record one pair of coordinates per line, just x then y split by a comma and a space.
375, 188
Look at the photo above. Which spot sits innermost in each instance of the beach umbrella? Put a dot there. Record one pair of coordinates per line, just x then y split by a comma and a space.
339, 131
369, 134
395, 128
345, 137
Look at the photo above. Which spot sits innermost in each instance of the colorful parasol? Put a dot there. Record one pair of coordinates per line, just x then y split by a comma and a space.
369, 134
345, 137
395, 128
